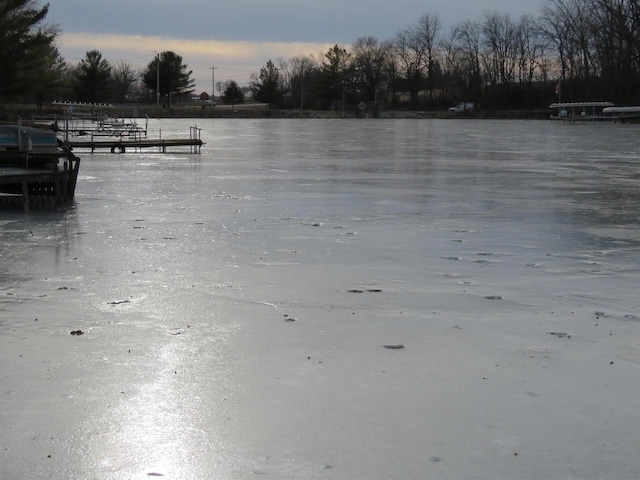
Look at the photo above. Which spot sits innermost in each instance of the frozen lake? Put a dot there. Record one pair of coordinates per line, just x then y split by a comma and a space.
235, 306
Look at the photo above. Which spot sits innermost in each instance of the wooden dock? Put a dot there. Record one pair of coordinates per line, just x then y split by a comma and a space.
120, 144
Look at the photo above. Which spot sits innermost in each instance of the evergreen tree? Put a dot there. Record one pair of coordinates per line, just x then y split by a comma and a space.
48, 74
174, 77
336, 75
267, 87
232, 93
93, 78
21, 41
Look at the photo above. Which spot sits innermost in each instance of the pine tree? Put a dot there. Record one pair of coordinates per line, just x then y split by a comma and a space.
336, 74
174, 77
232, 93
93, 78
48, 75
267, 87
21, 42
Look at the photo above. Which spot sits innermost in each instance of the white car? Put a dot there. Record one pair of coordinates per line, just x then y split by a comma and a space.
462, 107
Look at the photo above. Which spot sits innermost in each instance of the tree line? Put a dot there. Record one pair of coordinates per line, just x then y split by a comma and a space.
588, 49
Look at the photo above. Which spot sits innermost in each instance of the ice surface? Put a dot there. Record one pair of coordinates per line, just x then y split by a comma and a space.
235, 306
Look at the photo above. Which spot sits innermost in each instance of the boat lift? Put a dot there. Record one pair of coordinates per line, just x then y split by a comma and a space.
572, 112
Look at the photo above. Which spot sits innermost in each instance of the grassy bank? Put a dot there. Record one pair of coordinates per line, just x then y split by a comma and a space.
11, 113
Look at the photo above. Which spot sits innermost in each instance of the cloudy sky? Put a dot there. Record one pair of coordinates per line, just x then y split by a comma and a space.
237, 37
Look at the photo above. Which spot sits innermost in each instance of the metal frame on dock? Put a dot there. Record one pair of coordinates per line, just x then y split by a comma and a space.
92, 127
121, 145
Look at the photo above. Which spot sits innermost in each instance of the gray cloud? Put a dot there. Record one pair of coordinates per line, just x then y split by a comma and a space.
333, 21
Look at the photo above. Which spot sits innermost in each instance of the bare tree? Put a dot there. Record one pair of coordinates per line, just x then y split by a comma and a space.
500, 57
369, 59
555, 31
617, 45
392, 74
416, 49
573, 26
428, 30
530, 46
411, 58
123, 77
468, 36
301, 72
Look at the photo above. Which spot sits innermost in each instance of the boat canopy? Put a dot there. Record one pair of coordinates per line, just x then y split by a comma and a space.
581, 105
621, 110
15, 137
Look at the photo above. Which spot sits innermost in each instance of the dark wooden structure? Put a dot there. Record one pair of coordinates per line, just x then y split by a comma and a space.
45, 178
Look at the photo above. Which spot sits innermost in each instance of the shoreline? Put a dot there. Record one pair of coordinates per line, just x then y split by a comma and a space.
10, 113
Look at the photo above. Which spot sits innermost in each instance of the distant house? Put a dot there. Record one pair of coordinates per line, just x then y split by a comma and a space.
205, 99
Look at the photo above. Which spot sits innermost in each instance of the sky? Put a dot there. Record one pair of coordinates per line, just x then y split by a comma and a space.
232, 39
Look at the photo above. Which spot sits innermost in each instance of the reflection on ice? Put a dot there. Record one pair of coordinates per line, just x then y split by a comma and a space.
502, 256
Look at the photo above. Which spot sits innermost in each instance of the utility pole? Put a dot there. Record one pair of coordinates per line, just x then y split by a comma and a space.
157, 79
213, 83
